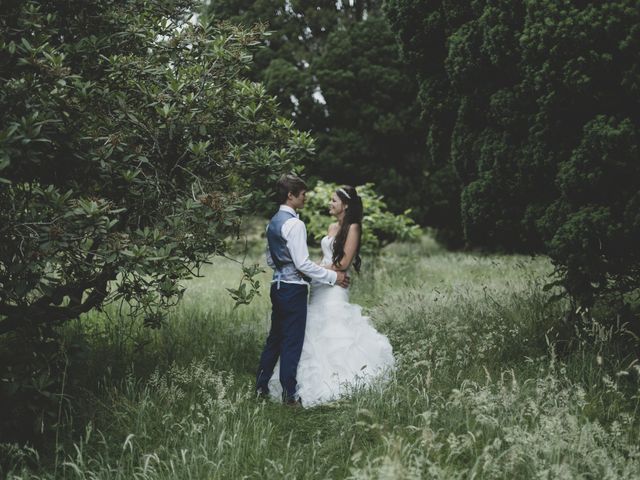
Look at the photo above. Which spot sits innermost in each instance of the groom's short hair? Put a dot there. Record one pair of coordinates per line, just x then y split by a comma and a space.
289, 183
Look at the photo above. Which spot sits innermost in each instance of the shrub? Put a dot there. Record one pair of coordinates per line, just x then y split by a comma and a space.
379, 226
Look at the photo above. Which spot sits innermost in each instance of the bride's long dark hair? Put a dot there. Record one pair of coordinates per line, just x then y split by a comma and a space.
352, 214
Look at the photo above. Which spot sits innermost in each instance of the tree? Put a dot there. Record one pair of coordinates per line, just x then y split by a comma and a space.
336, 71
370, 133
297, 32
423, 29
131, 146
540, 120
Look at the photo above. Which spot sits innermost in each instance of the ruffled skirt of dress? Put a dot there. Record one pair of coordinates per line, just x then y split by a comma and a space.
342, 351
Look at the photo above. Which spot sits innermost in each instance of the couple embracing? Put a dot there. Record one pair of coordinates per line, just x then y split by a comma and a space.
318, 350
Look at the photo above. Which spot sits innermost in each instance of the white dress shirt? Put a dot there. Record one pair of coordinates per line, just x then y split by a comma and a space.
295, 234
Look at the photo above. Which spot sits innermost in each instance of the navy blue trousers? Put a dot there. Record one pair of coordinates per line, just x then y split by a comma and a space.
288, 321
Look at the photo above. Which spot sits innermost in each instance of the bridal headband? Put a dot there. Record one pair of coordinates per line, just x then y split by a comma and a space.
342, 191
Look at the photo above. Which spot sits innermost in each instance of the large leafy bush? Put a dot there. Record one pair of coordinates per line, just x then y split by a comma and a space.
130, 146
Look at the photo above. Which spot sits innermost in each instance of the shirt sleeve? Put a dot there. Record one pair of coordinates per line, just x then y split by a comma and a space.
295, 232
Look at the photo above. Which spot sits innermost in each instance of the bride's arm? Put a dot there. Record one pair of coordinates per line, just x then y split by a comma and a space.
350, 247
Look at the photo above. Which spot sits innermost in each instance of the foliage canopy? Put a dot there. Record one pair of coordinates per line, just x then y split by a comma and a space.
130, 145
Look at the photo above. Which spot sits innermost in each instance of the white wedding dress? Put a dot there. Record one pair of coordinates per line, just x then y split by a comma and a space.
341, 351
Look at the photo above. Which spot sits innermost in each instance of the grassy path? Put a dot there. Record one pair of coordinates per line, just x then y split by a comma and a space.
486, 387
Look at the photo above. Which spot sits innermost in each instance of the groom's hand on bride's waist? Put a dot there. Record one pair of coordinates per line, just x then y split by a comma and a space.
342, 279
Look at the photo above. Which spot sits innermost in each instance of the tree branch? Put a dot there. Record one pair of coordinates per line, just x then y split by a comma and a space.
42, 310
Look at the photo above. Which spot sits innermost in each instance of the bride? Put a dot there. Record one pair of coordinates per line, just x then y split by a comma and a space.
341, 349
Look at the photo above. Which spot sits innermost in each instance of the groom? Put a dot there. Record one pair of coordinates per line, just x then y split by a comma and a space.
288, 255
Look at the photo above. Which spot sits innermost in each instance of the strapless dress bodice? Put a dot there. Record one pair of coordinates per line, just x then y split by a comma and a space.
326, 244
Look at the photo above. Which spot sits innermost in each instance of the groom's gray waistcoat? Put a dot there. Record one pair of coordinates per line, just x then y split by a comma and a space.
285, 268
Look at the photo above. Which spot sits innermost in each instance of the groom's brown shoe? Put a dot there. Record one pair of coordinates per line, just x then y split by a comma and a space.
293, 403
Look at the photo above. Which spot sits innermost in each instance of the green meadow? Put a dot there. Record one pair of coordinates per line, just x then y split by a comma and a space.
491, 382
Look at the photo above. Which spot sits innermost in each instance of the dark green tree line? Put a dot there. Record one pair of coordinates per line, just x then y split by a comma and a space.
535, 106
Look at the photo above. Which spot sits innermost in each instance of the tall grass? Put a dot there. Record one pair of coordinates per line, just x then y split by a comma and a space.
486, 386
